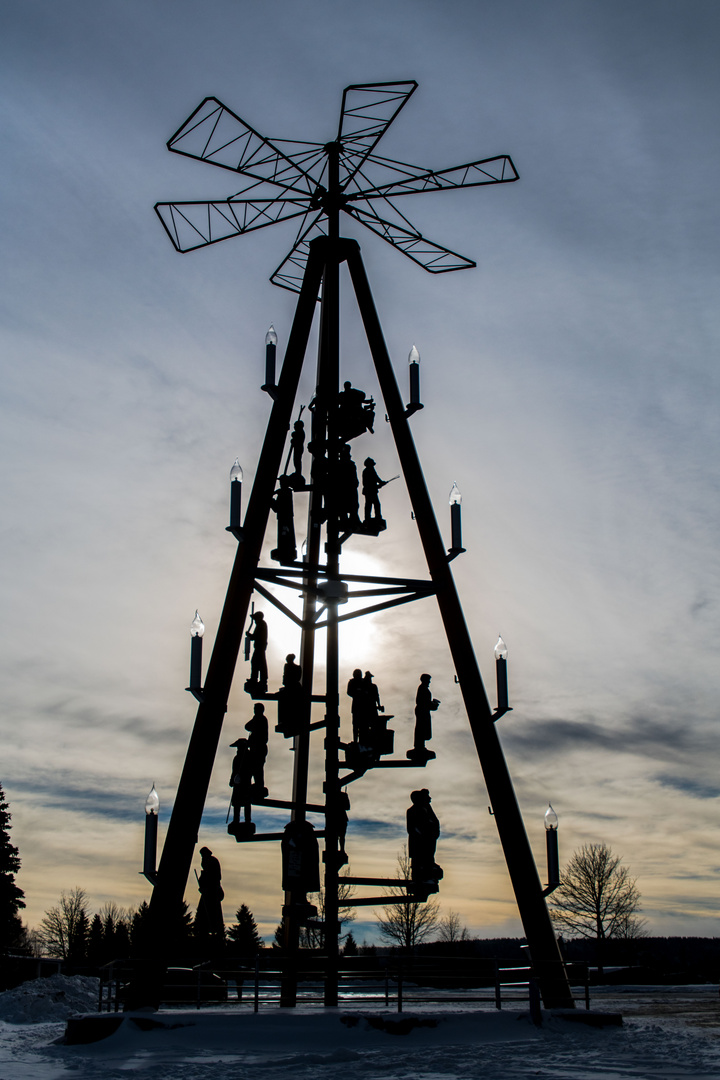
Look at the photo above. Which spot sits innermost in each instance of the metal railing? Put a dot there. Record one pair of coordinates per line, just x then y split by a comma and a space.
381, 981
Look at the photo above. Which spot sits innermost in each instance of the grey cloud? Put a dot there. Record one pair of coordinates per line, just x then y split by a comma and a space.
58, 792
665, 740
689, 786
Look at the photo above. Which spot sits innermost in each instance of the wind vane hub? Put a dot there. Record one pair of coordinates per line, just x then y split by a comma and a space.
289, 178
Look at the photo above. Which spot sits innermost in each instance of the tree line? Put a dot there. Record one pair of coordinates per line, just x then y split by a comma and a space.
68, 932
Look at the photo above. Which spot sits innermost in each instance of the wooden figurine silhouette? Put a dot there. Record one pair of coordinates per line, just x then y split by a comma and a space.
425, 704
342, 824
257, 684
241, 784
290, 698
257, 749
356, 413
371, 483
209, 918
297, 445
318, 470
423, 831
349, 503
282, 504
371, 737
370, 708
300, 858
354, 691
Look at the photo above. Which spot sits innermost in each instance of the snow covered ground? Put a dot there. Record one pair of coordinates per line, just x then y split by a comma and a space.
669, 1033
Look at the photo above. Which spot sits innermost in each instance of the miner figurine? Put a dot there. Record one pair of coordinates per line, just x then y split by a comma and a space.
241, 784
318, 471
257, 749
371, 737
257, 684
370, 707
371, 484
292, 672
348, 483
297, 445
354, 692
282, 504
356, 413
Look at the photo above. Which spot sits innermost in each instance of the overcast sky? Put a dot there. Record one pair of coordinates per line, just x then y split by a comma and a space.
570, 385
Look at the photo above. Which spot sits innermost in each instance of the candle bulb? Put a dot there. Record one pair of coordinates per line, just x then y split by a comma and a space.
414, 370
501, 672
456, 518
197, 629
236, 476
270, 351
152, 806
551, 838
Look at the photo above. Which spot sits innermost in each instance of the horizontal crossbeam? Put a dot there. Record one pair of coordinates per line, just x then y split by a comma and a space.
403, 883
276, 576
283, 804
257, 837
376, 607
379, 901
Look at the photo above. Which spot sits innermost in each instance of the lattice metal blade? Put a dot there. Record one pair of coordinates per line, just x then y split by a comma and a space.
289, 274
192, 225
367, 112
217, 135
310, 157
495, 170
433, 257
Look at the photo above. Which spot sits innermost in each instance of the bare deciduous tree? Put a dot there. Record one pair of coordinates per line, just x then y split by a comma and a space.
63, 928
450, 928
598, 898
408, 923
312, 937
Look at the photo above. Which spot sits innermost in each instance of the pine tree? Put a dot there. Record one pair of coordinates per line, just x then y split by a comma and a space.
121, 941
78, 946
179, 929
95, 950
140, 933
244, 935
116, 924
350, 947
11, 897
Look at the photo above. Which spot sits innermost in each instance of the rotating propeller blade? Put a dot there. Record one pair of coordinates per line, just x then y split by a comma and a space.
432, 257
495, 170
289, 274
367, 111
219, 136
192, 225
